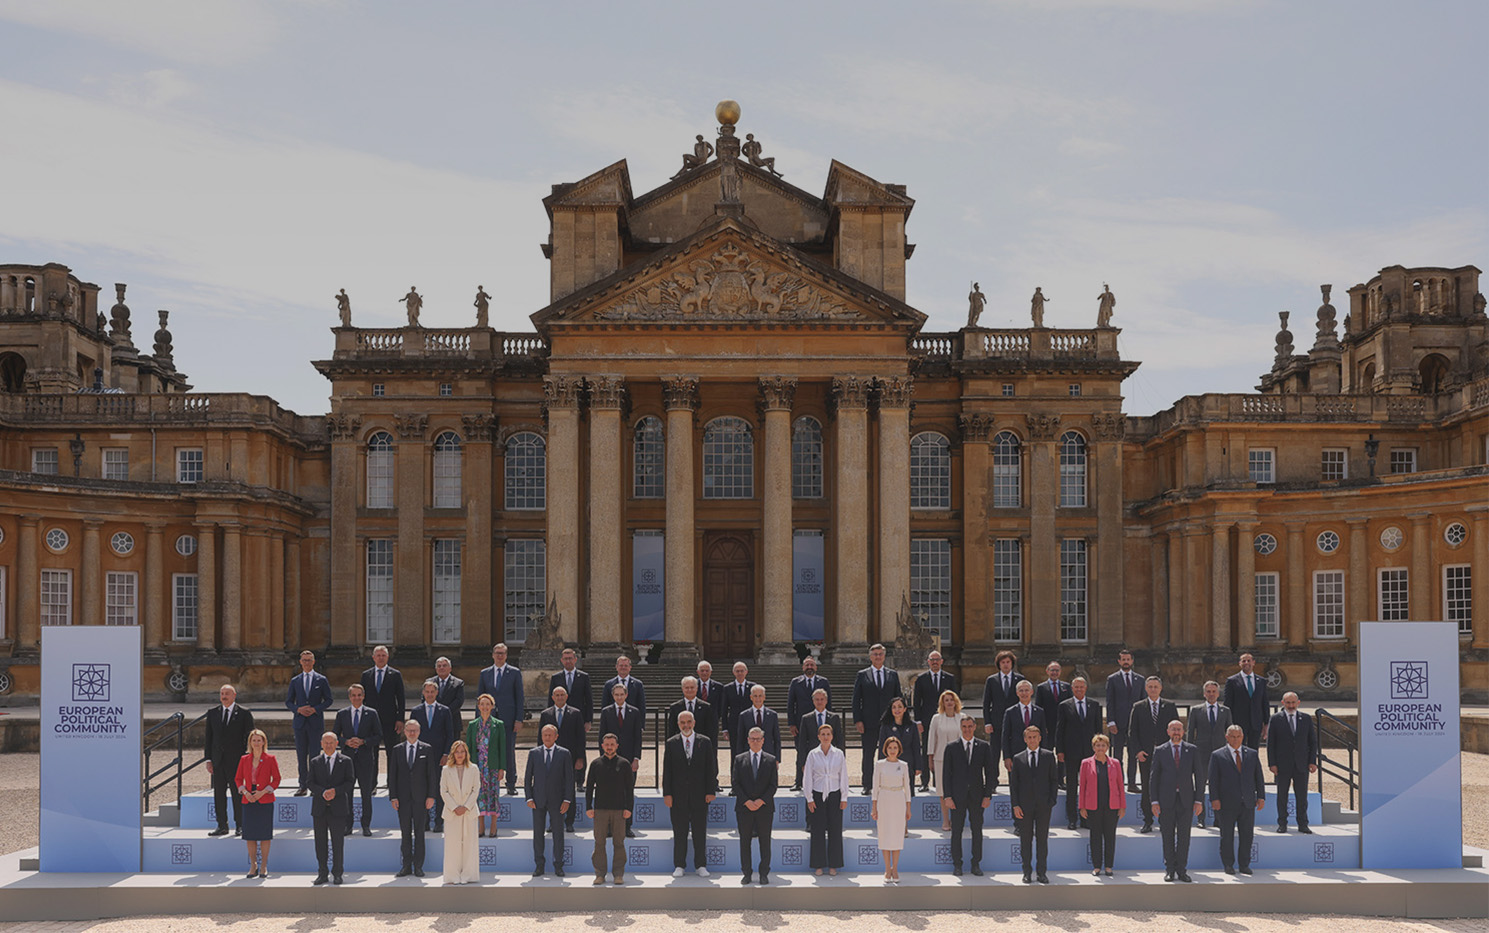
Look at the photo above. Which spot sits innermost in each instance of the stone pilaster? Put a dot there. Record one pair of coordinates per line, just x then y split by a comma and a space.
1044, 547
92, 573
1106, 488
274, 637
1176, 579
411, 567
206, 586
607, 397
154, 602
894, 501
851, 511
348, 485
28, 585
977, 567
232, 586
1245, 582
1421, 583
561, 406
292, 619
1220, 584
1479, 541
777, 393
1360, 583
476, 571
681, 396
1296, 631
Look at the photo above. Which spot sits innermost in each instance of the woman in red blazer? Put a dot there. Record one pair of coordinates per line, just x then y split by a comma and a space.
1103, 800
257, 779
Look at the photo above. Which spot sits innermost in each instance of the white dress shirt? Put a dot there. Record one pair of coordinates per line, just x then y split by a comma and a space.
824, 772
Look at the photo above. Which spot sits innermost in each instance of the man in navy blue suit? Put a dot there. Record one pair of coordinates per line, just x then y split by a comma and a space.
452, 694
1019, 717
1123, 689
570, 725
1237, 794
799, 702
413, 785
635, 689
438, 729
624, 721
576, 682
733, 700
359, 730
383, 684
1178, 778
759, 716
709, 690
999, 692
1049, 695
549, 788
308, 697
504, 683
1246, 697
1292, 755
873, 690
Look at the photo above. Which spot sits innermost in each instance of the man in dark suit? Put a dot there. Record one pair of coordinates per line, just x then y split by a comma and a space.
1020, 716
873, 689
690, 781
1077, 722
1146, 727
452, 694
810, 722
549, 788
733, 699
308, 697
1033, 783
413, 785
758, 716
969, 780
576, 681
999, 692
1237, 794
635, 689
570, 725
383, 686
925, 702
1178, 785
1049, 695
799, 703
504, 683
704, 715
1246, 695
624, 721
226, 742
359, 731
1205, 729
1123, 689
710, 691
753, 784
330, 779
1292, 755
438, 731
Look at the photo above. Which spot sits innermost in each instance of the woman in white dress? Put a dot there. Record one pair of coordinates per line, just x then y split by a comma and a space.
945, 728
460, 788
891, 796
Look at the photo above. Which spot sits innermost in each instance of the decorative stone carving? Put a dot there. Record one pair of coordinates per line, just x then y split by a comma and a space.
1105, 302
777, 393
1036, 307
680, 392
483, 307
976, 301
912, 640
607, 392
728, 166
1109, 425
411, 427
1327, 337
702, 151
414, 303
851, 392
1284, 343
729, 285
751, 150
895, 391
976, 428
1042, 427
543, 635
343, 427
119, 317
561, 392
478, 427
163, 351
1478, 304
344, 308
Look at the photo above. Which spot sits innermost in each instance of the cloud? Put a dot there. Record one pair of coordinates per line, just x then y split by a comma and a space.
158, 88
198, 31
1084, 147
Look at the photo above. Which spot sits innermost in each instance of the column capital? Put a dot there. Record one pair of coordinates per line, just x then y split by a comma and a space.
1109, 425
155, 527
480, 428
204, 526
92, 524
1042, 427
1357, 521
976, 428
30, 520
607, 392
411, 427
777, 393
1247, 525
895, 391
680, 393
851, 393
561, 392
343, 427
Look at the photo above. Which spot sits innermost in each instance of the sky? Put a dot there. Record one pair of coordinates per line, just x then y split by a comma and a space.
239, 162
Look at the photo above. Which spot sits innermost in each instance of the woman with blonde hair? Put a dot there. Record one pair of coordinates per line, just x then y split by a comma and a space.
486, 738
460, 789
944, 729
257, 779
1103, 800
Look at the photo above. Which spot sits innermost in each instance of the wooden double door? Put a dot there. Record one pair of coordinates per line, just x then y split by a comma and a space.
728, 596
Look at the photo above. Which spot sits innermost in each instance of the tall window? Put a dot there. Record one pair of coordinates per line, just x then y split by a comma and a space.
56, 597
1072, 471
379, 589
1328, 604
650, 455
1458, 597
1266, 606
4, 601
1404, 460
527, 471
1335, 464
1260, 465
446, 591
806, 459
930, 471
1008, 590
728, 459
121, 605
1394, 595
189, 465
447, 471
930, 584
1073, 609
184, 607
525, 581
380, 471
1008, 471
116, 463
44, 460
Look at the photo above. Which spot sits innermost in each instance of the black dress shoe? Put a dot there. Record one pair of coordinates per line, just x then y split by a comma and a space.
238, 831
956, 870
1230, 869
538, 872
219, 831
1169, 876
1184, 877
1305, 830
439, 826
558, 870
630, 834
336, 879
1245, 869
764, 878
1072, 825
418, 872
321, 879
404, 872
303, 792
367, 830
1146, 828
1043, 878
1028, 878
977, 869
747, 879
1282, 829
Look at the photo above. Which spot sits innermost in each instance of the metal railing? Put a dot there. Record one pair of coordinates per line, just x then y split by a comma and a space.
170, 735
1344, 763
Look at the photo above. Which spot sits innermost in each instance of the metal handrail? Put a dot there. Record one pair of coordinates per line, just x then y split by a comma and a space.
1347, 736
177, 764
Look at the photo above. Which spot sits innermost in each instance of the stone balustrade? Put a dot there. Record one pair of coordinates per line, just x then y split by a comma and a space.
1241, 407
194, 408
1040, 343
467, 343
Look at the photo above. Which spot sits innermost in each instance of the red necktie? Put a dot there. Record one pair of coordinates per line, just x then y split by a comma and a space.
1176, 756
1026, 717
704, 692
1238, 761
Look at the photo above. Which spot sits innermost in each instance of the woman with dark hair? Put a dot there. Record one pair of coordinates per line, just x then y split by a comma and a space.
899, 723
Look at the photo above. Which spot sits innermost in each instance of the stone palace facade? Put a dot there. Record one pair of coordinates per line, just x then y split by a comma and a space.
728, 434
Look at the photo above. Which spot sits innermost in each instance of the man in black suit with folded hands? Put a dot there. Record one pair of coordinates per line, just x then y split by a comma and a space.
577, 683
925, 702
1146, 727
969, 780
1049, 695
874, 689
1033, 783
438, 729
570, 725
1292, 755
733, 699
413, 783
549, 788
758, 716
226, 742
382, 686
452, 695
1020, 716
1077, 722
330, 780
359, 731
1177, 797
625, 722
705, 717
690, 781
1123, 689
799, 703
753, 781
1237, 794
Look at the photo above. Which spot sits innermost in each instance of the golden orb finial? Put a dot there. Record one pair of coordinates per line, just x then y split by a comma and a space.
727, 112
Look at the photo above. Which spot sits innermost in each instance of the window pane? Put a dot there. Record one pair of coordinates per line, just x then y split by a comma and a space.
527, 472
380, 471
525, 575
379, 590
1335, 465
116, 463
650, 454
56, 597
1328, 604
44, 460
184, 608
188, 466
446, 591
120, 606
930, 472
806, 459
1073, 624
447, 494
930, 584
1266, 605
1008, 590
1072, 471
1404, 460
1393, 595
728, 459
1457, 597
1008, 478
1259, 466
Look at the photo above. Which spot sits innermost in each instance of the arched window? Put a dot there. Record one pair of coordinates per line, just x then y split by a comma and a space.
728, 459
447, 471
1008, 471
380, 471
930, 471
650, 454
1072, 471
806, 459
526, 471
1433, 373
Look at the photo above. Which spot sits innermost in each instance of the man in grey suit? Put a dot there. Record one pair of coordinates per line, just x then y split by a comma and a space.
549, 788
1237, 794
1178, 778
504, 683
1207, 724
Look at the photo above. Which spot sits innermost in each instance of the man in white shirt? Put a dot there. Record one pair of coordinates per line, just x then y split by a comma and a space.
824, 784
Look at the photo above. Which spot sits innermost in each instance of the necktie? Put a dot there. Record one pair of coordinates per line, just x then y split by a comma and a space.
1292, 723
936, 683
690, 706
878, 679
759, 719
755, 762
1026, 717
703, 691
227, 715
968, 747
442, 684
411, 749
620, 715
356, 718
560, 718
1176, 756
688, 748
571, 681
821, 720
1249, 688
548, 758
1005, 683
379, 684
1154, 707
1238, 760
1212, 715
1055, 688
306, 681
429, 714
1128, 678
1081, 707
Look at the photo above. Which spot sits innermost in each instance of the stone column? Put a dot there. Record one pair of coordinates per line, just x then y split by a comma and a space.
1220, 584
977, 565
411, 569
292, 608
154, 602
561, 402
274, 638
255, 589
1245, 582
476, 570
206, 586
851, 511
681, 395
1158, 616
894, 501
1421, 583
92, 604
1106, 487
348, 485
1044, 547
1479, 534
28, 585
607, 396
232, 586
1360, 584
1296, 632
1177, 607
777, 394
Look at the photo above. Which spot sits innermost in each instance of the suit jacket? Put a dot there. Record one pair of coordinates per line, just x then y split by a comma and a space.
570, 733
1236, 789
910, 740
1045, 699
711, 691
319, 696
745, 721
1143, 734
635, 693
1288, 752
746, 785
686, 781
1011, 733
1205, 737
508, 694
549, 785
338, 775
871, 702
437, 731
733, 699
369, 730
628, 732
925, 699
412, 786
1187, 778
452, 694
1072, 733
967, 782
1034, 780
1247, 710
806, 731
581, 696
1120, 697
705, 716
996, 701
225, 743
799, 695
389, 701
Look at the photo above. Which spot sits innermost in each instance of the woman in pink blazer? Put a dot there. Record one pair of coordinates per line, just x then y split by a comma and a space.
257, 779
1103, 800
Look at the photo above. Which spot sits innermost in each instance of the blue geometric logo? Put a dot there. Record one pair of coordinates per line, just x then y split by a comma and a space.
212, 810
288, 812
716, 812
790, 812
1256, 853
90, 683
568, 855
859, 812
1408, 680
1002, 810
181, 853
638, 855
715, 855
943, 853
791, 854
868, 855
1016, 853
1323, 853
930, 810
504, 813
645, 812
488, 855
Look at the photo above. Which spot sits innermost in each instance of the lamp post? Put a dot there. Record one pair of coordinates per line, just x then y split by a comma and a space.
77, 447
1372, 447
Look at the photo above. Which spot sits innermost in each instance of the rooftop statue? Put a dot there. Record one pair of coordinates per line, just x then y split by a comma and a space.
1036, 307
344, 306
976, 301
751, 150
414, 303
702, 151
1105, 302
483, 304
